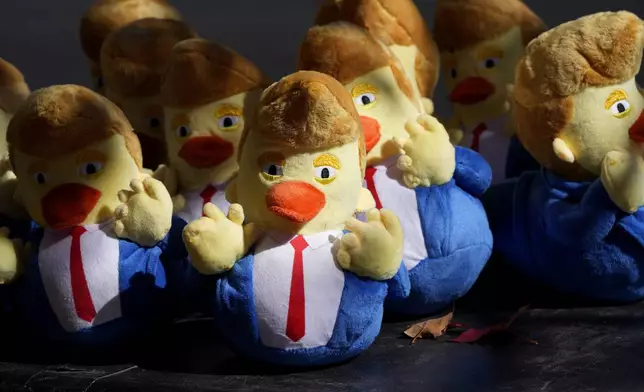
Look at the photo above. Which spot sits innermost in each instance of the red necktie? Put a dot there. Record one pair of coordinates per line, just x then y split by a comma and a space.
476, 133
371, 185
206, 196
80, 290
296, 319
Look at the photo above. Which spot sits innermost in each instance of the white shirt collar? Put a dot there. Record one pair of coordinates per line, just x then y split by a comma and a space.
315, 241
104, 226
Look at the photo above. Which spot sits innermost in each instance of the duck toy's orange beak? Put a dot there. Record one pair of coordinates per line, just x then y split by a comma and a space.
295, 201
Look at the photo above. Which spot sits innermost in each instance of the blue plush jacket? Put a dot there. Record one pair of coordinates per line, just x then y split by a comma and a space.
457, 238
356, 327
519, 160
146, 294
569, 235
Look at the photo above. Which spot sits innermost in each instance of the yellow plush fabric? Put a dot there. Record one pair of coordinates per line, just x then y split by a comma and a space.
13, 92
564, 85
86, 167
300, 173
11, 252
206, 91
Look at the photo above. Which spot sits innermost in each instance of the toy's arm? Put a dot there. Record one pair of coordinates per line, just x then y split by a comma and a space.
145, 217
373, 249
399, 286
216, 242
473, 174
11, 257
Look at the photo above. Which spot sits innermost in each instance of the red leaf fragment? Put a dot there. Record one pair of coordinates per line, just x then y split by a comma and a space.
473, 335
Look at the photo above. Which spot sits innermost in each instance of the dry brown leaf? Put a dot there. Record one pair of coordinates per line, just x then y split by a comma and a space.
431, 328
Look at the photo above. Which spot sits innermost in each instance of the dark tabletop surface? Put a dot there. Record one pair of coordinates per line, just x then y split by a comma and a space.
579, 348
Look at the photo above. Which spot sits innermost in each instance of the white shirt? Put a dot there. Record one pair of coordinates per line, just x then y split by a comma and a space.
193, 208
397, 197
100, 258
323, 287
493, 145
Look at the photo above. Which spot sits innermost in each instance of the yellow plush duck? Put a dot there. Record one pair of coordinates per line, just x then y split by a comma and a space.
412, 168
578, 226
91, 271
399, 25
133, 61
295, 289
106, 16
207, 88
480, 42
13, 93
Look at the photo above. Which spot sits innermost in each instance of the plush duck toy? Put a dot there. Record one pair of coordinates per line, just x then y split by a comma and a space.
133, 61
295, 288
207, 88
399, 25
91, 271
13, 93
480, 42
412, 168
106, 16
578, 226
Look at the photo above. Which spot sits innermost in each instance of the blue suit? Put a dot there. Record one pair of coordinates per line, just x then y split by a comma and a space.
357, 324
519, 160
456, 236
569, 235
145, 292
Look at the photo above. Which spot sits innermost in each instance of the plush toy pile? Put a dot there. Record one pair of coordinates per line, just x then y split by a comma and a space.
297, 214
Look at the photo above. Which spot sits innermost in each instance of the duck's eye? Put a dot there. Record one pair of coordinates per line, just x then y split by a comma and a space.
183, 131
366, 100
325, 174
90, 168
490, 63
228, 123
272, 171
453, 73
620, 108
40, 178
155, 123
99, 82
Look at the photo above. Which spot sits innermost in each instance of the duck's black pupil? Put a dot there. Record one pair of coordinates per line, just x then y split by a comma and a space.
228, 122
325, 173
489, 63
183, 131
99, 82
155, 123
621, 108
453, 73
366, 100
91, 169
272, 170
40, 178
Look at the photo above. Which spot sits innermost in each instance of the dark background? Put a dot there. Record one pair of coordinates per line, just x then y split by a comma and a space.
41, 36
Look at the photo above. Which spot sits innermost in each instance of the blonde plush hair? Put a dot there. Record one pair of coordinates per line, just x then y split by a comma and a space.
459, 24
394, 22
345, 52
134, 58
13, 88
200, 71
307, 110
61, 119
598, 50
106, 16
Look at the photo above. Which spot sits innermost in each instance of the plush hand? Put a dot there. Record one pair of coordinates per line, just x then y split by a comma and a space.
623, 178
178, 203
145, 216
216, 242
428, 156
454, 131
373, 249
11, 252
10, 203
428, 105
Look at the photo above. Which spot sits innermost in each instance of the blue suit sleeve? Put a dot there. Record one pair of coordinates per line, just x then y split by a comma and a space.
584, 223
399, 286
473, 174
